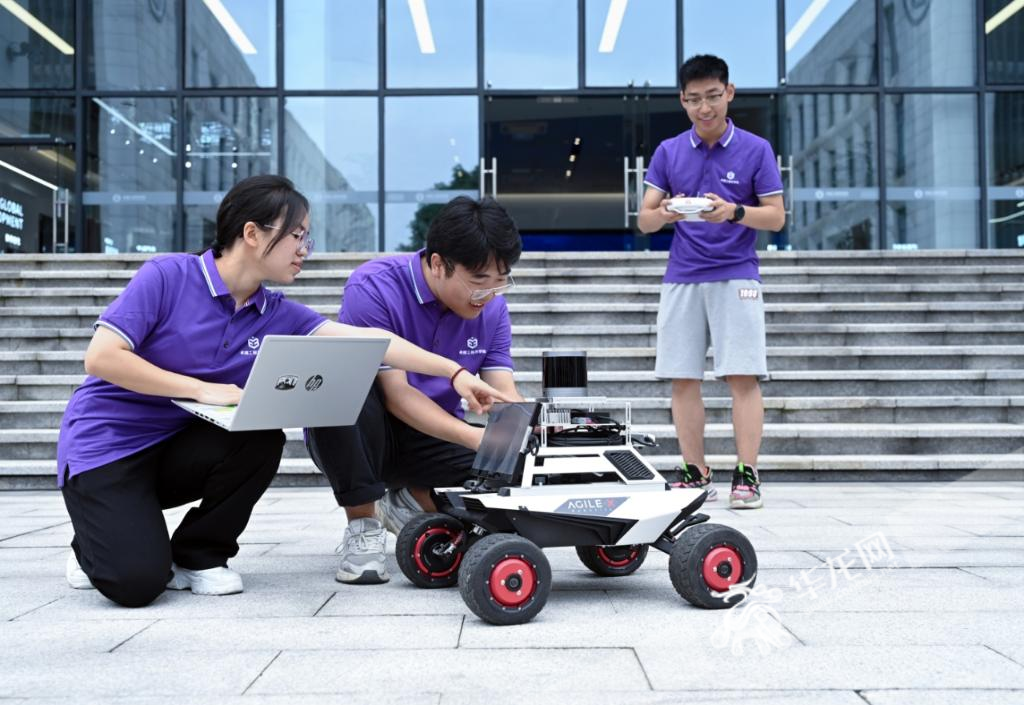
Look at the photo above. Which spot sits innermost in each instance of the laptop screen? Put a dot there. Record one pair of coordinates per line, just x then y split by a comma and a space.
508, 428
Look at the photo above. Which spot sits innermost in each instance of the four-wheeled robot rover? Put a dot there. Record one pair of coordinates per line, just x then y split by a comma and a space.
565, 472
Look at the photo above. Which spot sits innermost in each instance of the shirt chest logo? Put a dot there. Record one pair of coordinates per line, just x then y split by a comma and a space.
473, 347
253, 347
730, 178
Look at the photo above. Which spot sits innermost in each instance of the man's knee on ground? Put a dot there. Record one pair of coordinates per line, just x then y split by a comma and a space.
135, 585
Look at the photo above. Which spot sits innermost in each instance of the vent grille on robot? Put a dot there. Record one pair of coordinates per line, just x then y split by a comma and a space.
629, 465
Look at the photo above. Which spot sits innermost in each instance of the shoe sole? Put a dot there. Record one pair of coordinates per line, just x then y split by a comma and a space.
175, 586
367, 577
740, 504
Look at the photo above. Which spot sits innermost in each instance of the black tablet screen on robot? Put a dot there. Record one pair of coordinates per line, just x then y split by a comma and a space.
508, 427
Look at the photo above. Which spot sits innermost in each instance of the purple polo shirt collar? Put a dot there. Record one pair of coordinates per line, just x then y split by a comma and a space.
419, 282
730, 130
207, 263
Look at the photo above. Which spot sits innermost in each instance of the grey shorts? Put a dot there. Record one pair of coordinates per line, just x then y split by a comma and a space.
727, 314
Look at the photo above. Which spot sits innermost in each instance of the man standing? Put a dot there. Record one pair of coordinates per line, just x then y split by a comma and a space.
712, 284
410, 436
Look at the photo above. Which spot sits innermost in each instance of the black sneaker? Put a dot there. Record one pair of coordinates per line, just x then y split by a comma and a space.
692, 477
746, 488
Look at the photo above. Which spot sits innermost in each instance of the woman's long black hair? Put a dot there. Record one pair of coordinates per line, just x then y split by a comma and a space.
262, 200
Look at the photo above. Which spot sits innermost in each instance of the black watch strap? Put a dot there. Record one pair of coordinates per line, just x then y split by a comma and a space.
738, 215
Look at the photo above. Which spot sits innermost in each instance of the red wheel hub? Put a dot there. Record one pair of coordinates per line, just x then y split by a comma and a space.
513, 581
617, 562
723, 567
424, 551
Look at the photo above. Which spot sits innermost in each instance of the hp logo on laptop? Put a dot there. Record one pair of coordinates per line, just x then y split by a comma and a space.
314, 383
287, 382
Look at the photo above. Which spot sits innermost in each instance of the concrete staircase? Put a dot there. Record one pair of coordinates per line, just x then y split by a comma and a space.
885, 365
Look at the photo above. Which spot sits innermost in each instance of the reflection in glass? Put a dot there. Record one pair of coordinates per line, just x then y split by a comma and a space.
1004, 41
37, 40
230, 43
226, 140
1005, 115
37, 118
931, 162
34, 199
431, 43
832, 140
831, 43
131, 45
428, 166
331, 155
560, 160
929, 43
530, 44
750, 47
131, 159
330, 45
631, 44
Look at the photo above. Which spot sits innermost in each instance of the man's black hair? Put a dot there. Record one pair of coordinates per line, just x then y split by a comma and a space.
472, 233
702, 66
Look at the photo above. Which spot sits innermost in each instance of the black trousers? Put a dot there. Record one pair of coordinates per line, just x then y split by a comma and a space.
381, 451
121, 537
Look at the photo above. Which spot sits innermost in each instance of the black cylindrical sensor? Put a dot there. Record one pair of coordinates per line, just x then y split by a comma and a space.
564, 373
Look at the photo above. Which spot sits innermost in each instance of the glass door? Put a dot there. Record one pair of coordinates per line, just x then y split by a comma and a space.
556, 164
34, 202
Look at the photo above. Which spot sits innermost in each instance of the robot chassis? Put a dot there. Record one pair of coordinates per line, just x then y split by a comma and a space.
572, 476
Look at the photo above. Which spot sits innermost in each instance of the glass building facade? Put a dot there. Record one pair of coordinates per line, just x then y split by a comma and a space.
898, 123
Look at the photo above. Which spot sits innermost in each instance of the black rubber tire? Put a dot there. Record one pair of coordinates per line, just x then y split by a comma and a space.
406, 549
591, 556
483, 558
686, 564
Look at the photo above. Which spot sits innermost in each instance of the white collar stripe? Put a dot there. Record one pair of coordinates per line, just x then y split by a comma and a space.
206, 275
412, 276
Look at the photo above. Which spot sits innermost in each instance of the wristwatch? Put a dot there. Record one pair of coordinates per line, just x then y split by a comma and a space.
738, 215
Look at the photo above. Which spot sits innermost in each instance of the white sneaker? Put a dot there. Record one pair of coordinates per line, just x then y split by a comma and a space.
362, 553
396, 509
212, 581
76, 577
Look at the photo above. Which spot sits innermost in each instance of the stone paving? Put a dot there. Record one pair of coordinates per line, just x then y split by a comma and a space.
887, 594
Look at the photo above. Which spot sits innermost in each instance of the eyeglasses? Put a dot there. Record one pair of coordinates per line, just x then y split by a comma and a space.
302, 235
712, 100
477, 296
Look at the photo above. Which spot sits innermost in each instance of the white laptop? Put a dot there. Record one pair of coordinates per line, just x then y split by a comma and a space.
300, 380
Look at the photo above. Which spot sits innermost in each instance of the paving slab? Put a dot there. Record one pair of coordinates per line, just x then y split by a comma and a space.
467, 670
854, 667
906, 628
89, 604
298, 634
25, 638
944, 697
139, 674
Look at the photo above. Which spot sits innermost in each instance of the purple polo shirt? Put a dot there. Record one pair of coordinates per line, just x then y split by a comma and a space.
740, 168
391, 293
178, 314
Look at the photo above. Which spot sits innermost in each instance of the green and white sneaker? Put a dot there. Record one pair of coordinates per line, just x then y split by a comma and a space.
746, 488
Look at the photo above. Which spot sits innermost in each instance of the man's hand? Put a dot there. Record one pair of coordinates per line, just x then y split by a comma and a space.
722, 212
219, 394
667, 215
478, 394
